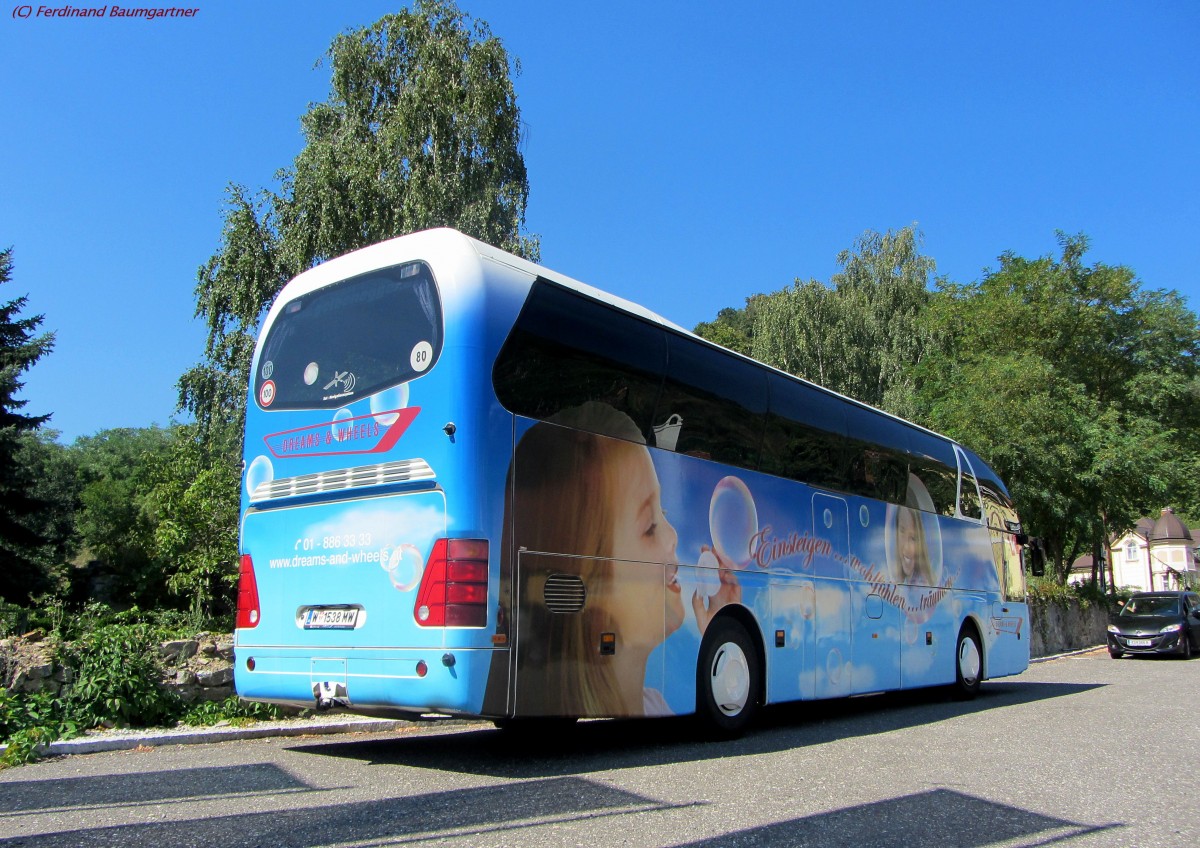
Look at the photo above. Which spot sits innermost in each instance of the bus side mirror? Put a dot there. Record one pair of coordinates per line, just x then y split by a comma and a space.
1035, 555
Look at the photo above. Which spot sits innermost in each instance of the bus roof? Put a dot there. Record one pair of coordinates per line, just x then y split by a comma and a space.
445, 239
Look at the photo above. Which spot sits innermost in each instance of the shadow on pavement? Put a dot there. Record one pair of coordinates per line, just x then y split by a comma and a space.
612, 744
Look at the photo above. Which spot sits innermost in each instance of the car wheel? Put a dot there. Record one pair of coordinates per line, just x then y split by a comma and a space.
968, 664
728, 679
1186, 653
1116, 655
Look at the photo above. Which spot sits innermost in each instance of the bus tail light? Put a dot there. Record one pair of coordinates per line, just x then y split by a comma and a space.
247, 597
454, 587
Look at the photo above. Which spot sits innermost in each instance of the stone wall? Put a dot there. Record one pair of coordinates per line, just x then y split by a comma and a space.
1057, 628
196, 669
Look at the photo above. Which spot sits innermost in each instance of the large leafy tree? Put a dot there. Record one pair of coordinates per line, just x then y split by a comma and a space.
54, 485
421, 129
116, 527
1077, 384
20, 540
193, 503
861, 334
733, 328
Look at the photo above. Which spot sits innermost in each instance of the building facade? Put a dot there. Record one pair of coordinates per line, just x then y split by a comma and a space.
1158, 554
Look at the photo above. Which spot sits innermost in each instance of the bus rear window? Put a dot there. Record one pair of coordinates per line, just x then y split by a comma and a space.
351, 339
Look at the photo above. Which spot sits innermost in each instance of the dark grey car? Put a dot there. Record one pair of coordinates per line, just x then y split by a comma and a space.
1156, 623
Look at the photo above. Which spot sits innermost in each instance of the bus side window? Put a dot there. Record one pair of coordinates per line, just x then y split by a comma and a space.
931, 461
805, 435
566, 350
878, 459
968, 490
713, 405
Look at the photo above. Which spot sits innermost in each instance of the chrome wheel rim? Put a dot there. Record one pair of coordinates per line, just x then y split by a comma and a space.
968, 661
729, 679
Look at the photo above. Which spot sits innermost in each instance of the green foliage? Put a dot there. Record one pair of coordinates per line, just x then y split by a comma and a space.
27, 722
733, 328
55, 486
1048, 590
1076, 385
22, 540
861, 335
117, 678
195, 503
116, 525
233, 710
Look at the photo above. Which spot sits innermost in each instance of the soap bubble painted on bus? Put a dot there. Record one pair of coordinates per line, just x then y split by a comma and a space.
473, 486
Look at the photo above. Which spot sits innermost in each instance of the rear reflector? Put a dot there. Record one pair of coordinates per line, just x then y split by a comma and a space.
248, 613
454, 587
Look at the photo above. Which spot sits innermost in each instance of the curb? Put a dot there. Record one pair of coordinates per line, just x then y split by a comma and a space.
1075, 653
128, 740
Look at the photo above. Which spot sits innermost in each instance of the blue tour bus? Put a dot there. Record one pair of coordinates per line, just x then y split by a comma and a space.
473, 486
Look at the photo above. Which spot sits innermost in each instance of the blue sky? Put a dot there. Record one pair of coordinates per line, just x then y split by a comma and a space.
683, 155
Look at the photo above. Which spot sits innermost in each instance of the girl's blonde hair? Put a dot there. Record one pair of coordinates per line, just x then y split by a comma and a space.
922, 568
565, 484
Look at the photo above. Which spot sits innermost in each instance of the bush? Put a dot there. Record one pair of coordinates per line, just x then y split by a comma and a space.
1046, 590
232, 710
29, 721
117, 678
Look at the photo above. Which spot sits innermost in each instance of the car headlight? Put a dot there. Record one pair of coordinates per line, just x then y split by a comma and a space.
1112, 628
1172, 628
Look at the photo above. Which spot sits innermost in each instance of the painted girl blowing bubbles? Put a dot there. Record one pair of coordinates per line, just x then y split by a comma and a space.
596, 501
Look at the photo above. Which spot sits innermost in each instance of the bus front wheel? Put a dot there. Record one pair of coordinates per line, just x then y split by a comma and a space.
968, 664
728, 679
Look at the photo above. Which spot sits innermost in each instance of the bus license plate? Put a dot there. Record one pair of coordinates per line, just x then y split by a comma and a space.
331, 619
1140, 643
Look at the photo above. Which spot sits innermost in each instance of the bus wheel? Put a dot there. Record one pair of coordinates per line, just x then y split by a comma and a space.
968, 664
728, 679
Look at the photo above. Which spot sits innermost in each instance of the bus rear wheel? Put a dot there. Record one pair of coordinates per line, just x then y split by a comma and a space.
968, 664
728, 679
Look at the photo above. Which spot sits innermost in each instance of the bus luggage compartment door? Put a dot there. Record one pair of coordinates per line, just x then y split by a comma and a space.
571, 651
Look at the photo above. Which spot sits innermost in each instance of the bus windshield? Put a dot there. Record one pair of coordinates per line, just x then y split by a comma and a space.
351, 339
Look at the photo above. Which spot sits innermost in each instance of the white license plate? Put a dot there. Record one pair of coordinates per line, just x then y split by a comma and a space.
1140, 643
325, 618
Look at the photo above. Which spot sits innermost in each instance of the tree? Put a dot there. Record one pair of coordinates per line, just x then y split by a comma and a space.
862, 334
421, 129
20, 348
1077, 385
51, 468
194, 503
733, 328
115, 524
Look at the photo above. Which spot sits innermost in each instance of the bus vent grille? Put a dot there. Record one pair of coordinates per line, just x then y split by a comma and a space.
564, 593
382, 474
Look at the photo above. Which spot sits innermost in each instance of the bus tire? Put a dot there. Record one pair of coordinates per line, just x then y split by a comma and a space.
968, 664
728, 679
